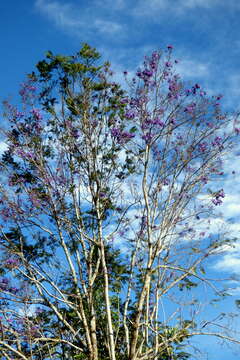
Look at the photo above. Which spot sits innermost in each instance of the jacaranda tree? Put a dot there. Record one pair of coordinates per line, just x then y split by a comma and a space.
106, 198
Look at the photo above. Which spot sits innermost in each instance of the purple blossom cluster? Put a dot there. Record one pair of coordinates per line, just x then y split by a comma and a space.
14, 113
149, 123
130, 114
25, 155
150, 68
151, 127
11, 263
147, 137
121, 136
195, 89
202, 147
190, 108
22, 326
166, 182
174, 88
6, 286
218, 196
218, 142
36, 125
168, 64
27, 90
36, 113
204, 179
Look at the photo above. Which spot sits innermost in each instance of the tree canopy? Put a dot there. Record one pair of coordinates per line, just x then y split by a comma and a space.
105, 199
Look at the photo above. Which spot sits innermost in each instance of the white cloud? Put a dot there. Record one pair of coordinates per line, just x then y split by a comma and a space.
229, 262
155, 7
61, 14
73, 19
3, 147
233, 85
232, 208
107, 27
192, 69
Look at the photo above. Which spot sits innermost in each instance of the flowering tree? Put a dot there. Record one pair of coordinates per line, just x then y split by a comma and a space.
105, 203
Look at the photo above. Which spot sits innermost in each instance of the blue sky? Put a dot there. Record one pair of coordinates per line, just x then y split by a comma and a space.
205, 34
206, 39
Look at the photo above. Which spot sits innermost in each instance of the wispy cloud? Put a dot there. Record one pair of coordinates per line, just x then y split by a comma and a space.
192, 69
107, 27
113, 5
76, 20
156, 7
230, 262
61, 14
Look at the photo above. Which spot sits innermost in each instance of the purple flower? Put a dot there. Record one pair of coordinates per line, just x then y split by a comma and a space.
217, 141
27, 90
147, 73
218, 196
116, 132
155, 56
130, 114
168, 64
173, 86
190, 108
202, 147
11, 263
221, 193
204, 179
75, 133
210, 125
4, 282
172, 121
217, 202
147, 137
153, 65
19, 114
121, 136
25, 154
13, 290
36, 114
166, 182
158, 121
124, 101
170, 47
